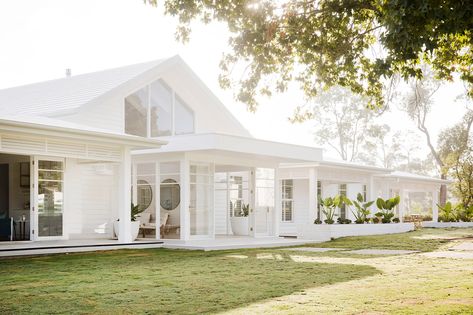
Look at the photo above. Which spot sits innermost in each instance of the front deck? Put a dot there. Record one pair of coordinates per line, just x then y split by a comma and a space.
30, 248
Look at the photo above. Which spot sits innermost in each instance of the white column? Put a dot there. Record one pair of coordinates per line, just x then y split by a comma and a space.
435, 208
211, 191
402, 203
124, 197
277, 203
185, 199
372, 195
134, 178
157, 198
252, 188
312, 195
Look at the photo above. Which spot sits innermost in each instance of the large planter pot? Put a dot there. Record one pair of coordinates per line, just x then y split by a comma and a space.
135, 228
239, 225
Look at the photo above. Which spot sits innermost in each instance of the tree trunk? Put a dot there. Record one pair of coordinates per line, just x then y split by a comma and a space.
443, 192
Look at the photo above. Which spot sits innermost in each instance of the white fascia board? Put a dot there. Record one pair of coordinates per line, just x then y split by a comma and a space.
341, 165
231, 143
79, 134
414, 178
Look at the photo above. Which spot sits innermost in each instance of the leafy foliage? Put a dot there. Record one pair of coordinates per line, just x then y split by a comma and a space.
361, 211
135, 211
329, 206
357, 44
456, 149
386, 208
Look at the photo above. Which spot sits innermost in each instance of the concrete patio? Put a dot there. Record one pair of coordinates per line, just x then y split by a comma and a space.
235, 242
30, 248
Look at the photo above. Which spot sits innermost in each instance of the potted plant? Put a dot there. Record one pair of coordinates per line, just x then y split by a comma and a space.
239, 221
361, 211
135, 225
386, 208
329, 206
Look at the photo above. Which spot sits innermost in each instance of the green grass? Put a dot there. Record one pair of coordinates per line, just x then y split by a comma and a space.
157, 281
424, 240
269, 281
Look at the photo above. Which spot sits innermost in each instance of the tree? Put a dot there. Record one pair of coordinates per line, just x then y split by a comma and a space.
418, 105
381, 148
342, 121
323, 43
456, 149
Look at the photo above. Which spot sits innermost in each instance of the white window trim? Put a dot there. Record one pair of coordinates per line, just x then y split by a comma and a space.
285, 200
148, 115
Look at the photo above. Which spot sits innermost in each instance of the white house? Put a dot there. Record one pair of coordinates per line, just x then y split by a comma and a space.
75, 152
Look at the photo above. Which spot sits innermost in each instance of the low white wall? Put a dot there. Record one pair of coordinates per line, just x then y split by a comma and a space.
325, 232
447, 224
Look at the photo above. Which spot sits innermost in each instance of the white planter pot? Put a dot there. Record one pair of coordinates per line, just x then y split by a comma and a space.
135, 228
239, 225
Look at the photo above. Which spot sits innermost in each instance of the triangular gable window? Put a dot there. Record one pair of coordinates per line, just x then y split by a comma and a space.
156, 111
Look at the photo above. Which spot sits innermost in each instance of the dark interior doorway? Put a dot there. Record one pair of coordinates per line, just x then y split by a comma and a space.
4, 191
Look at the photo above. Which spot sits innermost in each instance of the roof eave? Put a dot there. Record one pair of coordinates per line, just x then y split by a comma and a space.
134, 142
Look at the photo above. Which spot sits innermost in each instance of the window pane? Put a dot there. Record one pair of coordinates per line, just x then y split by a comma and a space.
136, 111
184, 118
160, 109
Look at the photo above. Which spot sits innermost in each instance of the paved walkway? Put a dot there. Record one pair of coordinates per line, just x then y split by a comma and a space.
313, 249
461, 251
466, 246
382, 252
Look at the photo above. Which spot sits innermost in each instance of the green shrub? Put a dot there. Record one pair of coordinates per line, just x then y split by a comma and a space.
396, 220
317, 221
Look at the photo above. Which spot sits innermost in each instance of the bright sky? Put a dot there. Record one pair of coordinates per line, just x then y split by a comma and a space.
41, 38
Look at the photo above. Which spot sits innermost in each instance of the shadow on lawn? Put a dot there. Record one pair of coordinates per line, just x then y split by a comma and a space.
159, 281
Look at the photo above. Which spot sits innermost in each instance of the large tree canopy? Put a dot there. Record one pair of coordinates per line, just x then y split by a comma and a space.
322, 43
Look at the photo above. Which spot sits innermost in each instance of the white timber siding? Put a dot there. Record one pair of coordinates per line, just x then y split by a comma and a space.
300, 208
90, 199
221, 212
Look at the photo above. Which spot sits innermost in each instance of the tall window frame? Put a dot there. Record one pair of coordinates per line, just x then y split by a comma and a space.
342, 191
176, 102
287, 200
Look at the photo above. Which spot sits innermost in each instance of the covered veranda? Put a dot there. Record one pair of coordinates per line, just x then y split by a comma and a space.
64, 181
207, 182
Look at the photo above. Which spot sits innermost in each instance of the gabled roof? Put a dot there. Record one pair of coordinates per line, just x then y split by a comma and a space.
68, 93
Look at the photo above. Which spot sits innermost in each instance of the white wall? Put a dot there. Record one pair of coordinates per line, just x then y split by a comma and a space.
300, 208
90, 199
221, 212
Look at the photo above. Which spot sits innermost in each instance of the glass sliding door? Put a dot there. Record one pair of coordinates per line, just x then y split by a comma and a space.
201, 200
50, 201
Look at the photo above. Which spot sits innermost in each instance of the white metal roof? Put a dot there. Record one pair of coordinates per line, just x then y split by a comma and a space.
238, 145
67, 93
341, 165
415, 177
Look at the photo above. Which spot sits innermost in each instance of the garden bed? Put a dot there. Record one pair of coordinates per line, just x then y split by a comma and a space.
325, 232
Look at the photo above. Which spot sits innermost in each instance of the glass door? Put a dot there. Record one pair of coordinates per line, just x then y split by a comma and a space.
49, 186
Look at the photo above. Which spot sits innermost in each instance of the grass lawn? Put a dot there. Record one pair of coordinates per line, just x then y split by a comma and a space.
246, 281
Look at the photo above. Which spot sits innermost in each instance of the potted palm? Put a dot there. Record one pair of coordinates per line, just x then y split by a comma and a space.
239, 220
135, 225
